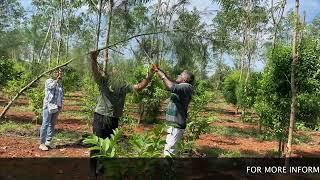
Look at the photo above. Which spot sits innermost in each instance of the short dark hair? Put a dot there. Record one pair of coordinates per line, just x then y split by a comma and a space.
55, 72
190, 76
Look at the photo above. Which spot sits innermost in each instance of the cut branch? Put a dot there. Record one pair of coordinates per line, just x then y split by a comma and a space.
29, 85
66, 63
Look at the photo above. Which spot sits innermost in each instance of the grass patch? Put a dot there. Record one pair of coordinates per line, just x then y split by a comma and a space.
19, 108
127, 120
232, 132
72, 102
67, 136
296, 139
249, 119
75, 114
218, 152
11, 127
304, 138
237, 132
231, 154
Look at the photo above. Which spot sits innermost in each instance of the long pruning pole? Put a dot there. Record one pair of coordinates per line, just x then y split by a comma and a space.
4, 111
145, 52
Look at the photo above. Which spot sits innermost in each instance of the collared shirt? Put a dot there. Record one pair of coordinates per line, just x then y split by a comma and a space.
111, 99
177, 110
53, 93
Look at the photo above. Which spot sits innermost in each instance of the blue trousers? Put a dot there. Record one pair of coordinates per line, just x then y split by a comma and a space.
47, 127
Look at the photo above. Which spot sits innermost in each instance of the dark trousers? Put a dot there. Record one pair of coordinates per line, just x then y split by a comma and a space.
103, 127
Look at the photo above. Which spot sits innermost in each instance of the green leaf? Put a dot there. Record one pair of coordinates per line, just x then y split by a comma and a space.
91, 140
95, 148
106, 145
113, 152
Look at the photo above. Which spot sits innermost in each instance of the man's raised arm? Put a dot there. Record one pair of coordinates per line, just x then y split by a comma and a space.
140, 86
168, 83
94, 65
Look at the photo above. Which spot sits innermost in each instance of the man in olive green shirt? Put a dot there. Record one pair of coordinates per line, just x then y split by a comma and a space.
111, 99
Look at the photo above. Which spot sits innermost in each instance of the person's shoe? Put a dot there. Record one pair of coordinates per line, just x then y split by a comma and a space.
43, 147
50, 145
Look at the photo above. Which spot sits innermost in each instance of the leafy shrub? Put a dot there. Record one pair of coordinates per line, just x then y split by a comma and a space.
229, 87
16, 82
7, 71
149, 144
196, 124
91, 92
126, 119
274, 97
36, 96
104, 147
246, 92
150, 98
71, 79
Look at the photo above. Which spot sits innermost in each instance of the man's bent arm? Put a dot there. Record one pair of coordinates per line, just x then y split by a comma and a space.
168, 83
143, 83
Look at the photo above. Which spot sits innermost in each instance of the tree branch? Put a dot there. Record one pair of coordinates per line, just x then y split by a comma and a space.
68, 62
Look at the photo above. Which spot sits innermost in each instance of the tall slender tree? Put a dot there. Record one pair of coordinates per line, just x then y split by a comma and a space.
295, 58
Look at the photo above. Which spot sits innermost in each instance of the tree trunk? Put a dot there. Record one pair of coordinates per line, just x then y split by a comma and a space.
50, 47
219, 66
248, 44
141, 113
99, 23
45, 40
293, 81
163, 36
242, 57
68, 32
259, 126
275, 22
106, 52
60, 31
279, 147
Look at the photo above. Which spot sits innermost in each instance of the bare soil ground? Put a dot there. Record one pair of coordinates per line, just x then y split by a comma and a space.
225, 117
13, 144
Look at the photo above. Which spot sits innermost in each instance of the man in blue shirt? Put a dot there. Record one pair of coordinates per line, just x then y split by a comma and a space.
177, 110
